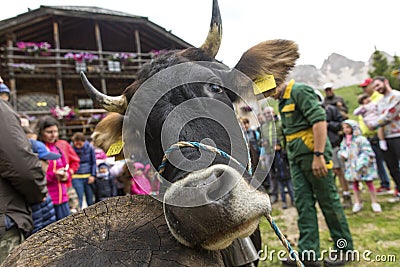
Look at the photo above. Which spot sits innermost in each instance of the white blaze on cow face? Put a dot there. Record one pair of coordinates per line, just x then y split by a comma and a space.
215, 225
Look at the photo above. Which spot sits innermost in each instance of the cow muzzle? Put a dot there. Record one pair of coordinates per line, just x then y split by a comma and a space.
212, 207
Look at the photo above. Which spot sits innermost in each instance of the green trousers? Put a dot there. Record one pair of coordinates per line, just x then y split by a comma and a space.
308, 189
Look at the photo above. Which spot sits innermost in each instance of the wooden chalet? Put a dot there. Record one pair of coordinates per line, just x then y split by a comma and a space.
43, 50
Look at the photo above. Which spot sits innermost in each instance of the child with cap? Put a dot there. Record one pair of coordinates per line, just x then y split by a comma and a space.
104, 185
43, 213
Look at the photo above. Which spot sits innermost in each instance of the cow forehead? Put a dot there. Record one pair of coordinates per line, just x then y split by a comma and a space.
160, 80
152, 92
195, 72
168, 81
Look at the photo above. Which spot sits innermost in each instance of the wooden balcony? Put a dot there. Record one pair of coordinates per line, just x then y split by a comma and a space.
53, 63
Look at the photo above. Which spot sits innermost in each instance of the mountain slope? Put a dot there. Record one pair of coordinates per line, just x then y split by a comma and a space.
337, 69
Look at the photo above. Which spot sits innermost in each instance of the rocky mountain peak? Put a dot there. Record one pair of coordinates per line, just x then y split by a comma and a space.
337, 69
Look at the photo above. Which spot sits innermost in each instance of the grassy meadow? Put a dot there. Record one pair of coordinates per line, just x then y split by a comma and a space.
350, 95
376, 236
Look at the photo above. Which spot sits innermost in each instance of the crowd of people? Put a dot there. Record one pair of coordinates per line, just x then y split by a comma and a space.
313, 138
302, 147
268, 139
45, 178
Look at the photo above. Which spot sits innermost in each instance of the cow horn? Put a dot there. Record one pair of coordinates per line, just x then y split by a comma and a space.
214, 37
109, 103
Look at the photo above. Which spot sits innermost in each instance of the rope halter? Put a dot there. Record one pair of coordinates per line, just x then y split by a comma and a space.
293, 254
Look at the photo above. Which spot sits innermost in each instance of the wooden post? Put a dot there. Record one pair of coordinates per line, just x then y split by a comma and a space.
138, 47
12, 81
59, 73
101, 59
59, 83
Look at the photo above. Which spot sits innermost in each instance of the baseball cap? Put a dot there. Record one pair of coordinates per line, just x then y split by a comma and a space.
103, 164
39, 148
4, 88
328, 85
366, 82
320, 96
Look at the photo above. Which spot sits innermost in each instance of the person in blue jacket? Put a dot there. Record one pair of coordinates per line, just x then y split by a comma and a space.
85, 175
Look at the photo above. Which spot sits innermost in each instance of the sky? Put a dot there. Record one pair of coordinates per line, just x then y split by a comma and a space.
352, 28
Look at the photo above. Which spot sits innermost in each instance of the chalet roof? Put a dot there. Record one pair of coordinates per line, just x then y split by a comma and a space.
93, 9
34, 19
68, 11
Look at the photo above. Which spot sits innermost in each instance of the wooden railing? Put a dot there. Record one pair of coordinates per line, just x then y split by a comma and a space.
16, 61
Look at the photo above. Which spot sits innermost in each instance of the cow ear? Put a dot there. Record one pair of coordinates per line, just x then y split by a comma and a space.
274, 57
108, 132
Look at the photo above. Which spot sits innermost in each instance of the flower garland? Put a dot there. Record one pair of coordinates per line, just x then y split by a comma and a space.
63, 112
80, 57
123, 57
34, 48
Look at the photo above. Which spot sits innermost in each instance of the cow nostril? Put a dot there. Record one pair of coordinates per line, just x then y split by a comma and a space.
219, 185
210, 179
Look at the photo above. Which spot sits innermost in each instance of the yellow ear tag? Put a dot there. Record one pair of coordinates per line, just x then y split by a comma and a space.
115, 148
264, 84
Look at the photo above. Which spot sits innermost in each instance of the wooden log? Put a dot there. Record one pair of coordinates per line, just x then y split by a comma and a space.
120, 231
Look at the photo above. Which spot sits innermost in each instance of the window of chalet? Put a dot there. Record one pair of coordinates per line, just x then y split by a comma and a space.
36, 102
85, 103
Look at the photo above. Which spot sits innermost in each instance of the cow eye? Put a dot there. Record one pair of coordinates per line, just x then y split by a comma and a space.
215, 88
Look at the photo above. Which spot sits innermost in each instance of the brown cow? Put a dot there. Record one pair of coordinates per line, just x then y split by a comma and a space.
229, 206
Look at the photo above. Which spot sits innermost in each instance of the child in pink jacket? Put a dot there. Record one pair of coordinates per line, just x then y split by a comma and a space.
140, 184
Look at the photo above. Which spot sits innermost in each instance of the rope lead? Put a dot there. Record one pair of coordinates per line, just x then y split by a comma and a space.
176, 146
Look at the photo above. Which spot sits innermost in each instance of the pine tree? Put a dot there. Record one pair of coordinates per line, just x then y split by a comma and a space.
394, 71
380, 65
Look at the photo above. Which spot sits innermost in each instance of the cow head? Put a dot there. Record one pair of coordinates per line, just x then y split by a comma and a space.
209, 201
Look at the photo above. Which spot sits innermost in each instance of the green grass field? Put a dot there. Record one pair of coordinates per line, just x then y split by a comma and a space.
350, 95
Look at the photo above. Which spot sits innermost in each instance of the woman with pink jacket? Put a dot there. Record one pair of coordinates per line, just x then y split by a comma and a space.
58, 171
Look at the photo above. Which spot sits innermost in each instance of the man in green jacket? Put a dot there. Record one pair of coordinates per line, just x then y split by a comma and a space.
309, 152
